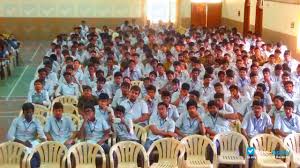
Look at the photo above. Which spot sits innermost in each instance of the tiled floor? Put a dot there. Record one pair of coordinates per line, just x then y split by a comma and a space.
13, 91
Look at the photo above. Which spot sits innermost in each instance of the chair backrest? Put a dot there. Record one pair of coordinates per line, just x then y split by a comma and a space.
50, 152
75, 119
41, 110
127, 151
11, 153
69, 108
168, 148
137, 83
67, 100
85, 154
292, 141
236, 126
230, 141
266, 142
196, 145
41, 118
140, 132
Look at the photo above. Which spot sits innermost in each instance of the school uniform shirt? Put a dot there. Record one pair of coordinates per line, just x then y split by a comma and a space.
206, 93
112, 87
122, 132
188, 125
71, 89
183, 76
60, 130
292, 64
239, 105
152, 105
226, 109
201, 110
242, 82
172, 112
134, 110
216, 123
287, 125
25, 131
78, 75
161, 81
96, 92
277, 88
48, 85
134, 75
110, 71
194, 84
94, 130
182, 104
166, 125
103, 114
293, 96
254, 126
82, 56
52, 76
87, 80
268, 85
274, 112
39, 98
249, 90
117, 100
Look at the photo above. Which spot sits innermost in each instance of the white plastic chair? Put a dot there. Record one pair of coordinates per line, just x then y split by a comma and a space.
170, 153
229, 144
52, 154
137, 83
140, 132
66, 100
75, 119
264, 145
85, 155
196, 152
127, 154
12, 155
41, 118
292, 142
69, 108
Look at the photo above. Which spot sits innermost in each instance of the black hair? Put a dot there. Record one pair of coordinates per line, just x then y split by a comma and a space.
58, 105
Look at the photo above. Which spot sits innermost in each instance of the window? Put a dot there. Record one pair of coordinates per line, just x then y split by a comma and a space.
161, 10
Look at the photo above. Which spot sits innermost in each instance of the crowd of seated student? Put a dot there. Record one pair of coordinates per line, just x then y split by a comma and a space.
199, 82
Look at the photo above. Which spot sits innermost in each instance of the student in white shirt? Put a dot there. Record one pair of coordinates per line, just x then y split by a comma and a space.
237, 101
214, 122
69, 88
277, 108
288, 123
38, 96
90, 77
206, 90
136, 109
180, 98
289, 93
194, 81
256, 122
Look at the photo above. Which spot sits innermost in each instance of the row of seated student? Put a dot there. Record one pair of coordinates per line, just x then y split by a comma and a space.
9, 45
96, 127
